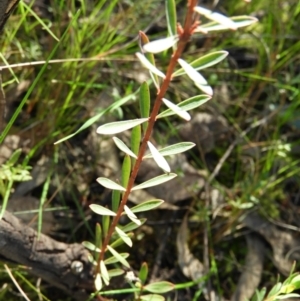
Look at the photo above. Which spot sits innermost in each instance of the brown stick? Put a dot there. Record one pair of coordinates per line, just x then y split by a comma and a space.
65, 266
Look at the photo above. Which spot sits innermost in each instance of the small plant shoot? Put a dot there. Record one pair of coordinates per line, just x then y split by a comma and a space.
142, 148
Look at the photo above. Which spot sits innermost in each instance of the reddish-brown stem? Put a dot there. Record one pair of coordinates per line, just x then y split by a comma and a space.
183, 39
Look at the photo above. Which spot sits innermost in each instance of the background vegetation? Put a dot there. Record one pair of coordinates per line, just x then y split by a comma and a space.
256, 95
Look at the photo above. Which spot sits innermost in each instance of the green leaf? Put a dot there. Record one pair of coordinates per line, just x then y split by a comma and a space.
119, 126
148, 65
205, 61
143, 273
124, 237
159, 287
296, 281
158, 158
40, 21
115, 272
98, 237
118, 242
131, 215
177, 110
155, 181
146, 206
132, 226
14, 157
204, 88
161, 44
101, 210
174, 149
171, 17
113, 259
152, 297
216, 17
196, 77
118, 256
275, 290
260, 295
123, 147
150, 57
90, 246
126, 170
287, 296
187, 105
107, 183
93, 119
136, 139
239, 21
144, 103
98, 282
115, 200
105, 224
104, 272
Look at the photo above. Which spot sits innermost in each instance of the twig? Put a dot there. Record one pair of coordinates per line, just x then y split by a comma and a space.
15, 282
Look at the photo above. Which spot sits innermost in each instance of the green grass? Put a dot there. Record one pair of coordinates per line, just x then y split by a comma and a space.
87, 49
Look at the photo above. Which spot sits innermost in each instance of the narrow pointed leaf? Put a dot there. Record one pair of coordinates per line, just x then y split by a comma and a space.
101, 210
131, 215
105, 224
158, 158
146, 206
177, 110
98, 282
205, 61
93, 119
124, 237
148, 65
239, 21
115, 200
98, 234
171, 17
143, 273
152, 297
90, 246
192, 73
119, 241
118, 256
126, 170
144, 103
115, 272
275, 290
123, 147
159, 287
107, 183
174, 149
161, 44
132, 226
98, 240
14, 157
187, 105
205, 88
215, 17
119, 126
150, 57
155, 181
136, 140
196, 77
104, 272
113, 259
